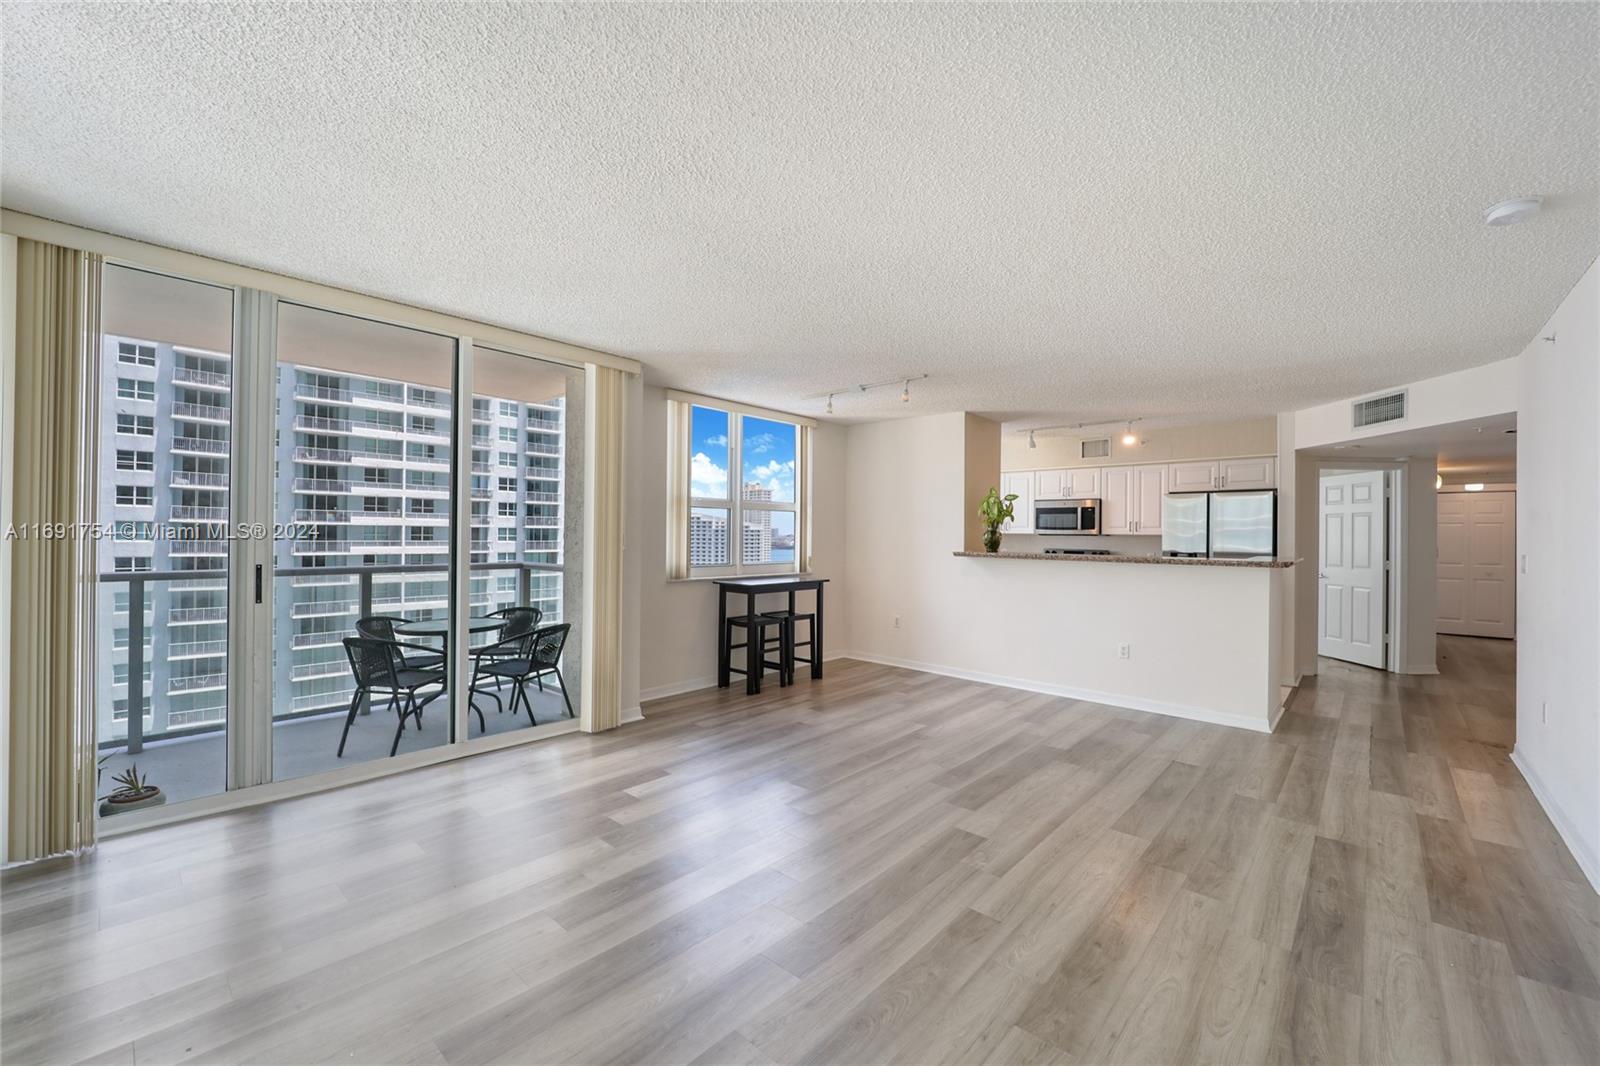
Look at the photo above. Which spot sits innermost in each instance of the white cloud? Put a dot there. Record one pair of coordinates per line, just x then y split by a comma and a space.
772, 470
719, 441
707, 478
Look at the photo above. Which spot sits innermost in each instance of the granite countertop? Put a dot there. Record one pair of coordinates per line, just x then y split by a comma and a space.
1156, 560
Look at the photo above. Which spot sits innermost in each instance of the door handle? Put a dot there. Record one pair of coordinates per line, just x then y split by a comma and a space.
1322, 575
258, 582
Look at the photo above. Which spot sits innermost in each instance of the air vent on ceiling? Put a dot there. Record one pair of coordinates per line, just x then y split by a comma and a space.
1094, 449
1378, 409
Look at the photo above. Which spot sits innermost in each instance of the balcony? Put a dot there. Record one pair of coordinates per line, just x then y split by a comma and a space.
552, 450
205, 379
316, 514
199, 479
304, 390
201, 412
322, 455
333, 486
321, 424
175, 731
191, 548
195, 615
199, 445
183, 511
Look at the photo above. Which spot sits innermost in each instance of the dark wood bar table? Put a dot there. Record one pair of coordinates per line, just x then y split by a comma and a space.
750, 588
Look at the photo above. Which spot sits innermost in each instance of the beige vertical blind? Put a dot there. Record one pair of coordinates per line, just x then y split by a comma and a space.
51, 776
679, 415
604, 442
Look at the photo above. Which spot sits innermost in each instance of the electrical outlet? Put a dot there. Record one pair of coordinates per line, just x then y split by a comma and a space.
1124, 651
897, 621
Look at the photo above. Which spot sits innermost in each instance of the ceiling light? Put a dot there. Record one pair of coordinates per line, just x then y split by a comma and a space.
1128, 437
830, 403
1031, 442
1510, 212
1476, 486
905, 392
1438, 481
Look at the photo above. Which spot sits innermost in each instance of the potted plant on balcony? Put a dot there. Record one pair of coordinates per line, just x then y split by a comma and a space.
995, 510
135, 792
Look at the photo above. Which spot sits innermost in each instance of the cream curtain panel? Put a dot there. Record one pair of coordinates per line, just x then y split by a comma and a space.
605, 446
802, 488
50, 803
679, 413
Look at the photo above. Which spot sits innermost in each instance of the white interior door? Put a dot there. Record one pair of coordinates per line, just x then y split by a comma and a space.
1477, 564
1350, 583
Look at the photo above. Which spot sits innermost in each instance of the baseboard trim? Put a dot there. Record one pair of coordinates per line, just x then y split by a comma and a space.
1132, 703
632, 714
695, 684
1558, 818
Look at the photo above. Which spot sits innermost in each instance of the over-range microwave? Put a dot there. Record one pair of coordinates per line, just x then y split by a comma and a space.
1067, 517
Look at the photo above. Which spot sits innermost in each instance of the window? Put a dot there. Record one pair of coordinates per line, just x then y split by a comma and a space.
508, 434
508, 484
743, 482
133, 459
507, 508
132, 564
134, 389
135, 496
138, 425
508, 459
136, 354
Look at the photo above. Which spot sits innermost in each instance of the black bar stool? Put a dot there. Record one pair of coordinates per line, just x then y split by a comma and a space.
755, 655
795, 643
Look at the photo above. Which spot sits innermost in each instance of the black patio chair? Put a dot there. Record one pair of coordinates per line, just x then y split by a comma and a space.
520, 621
379, 666
532, 656
381, 627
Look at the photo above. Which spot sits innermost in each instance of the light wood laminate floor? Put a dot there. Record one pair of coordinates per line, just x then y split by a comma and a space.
884, 865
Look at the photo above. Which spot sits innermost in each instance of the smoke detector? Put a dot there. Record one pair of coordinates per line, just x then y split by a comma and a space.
1510, 212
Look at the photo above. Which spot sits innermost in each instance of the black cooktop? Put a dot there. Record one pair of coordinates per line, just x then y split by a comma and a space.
1077, 551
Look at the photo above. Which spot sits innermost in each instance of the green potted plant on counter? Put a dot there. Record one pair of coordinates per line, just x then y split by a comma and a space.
996, 510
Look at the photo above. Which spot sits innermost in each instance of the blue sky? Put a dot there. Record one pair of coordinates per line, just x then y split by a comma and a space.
768, 454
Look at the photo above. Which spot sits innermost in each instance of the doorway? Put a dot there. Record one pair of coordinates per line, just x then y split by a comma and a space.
1477, 564
1352, 541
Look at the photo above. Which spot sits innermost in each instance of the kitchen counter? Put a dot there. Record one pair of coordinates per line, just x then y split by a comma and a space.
1261, 563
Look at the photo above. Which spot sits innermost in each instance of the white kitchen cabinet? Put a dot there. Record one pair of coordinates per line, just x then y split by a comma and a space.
1020, 483
1116, 499
1050, 485
1149, 489
1130, 500
1258, 473
1193, 476
1083, 484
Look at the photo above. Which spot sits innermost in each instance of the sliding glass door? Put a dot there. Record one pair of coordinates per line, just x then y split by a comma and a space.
166, 384
362, 501
330, 541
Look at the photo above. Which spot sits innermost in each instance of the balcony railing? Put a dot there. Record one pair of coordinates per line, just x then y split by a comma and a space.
200, 445
211, 379
140, 618
199, 479
321, 424
304, 390
195, 511
203, 412
335, 486
316, 514
322, 455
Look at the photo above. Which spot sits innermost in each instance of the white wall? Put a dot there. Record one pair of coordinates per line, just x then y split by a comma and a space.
1558, 595
1210, 440
678, 619
1204, 639
1467, 394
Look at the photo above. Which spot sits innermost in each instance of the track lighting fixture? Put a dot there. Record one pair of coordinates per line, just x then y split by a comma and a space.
1128, 439
1031, 442
830, 403
905, 392
905, 388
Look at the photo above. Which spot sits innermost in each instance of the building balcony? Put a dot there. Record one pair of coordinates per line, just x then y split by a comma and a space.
197, 683
199, 479
191, 548
323, 608
178, 616
322, 455
202, 412
196, 649
322, 424
315, 514
205, 379
551, 450
324, 485
430, 403
304, 390
181, 511
199, 445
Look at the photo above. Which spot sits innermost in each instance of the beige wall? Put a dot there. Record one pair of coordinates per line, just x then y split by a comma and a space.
1217, 440
1204, 640
981, 464
678, 619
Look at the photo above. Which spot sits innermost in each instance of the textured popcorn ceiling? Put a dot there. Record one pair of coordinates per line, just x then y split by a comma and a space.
1069, 212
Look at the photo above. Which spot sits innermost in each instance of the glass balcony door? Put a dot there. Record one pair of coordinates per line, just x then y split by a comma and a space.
362, 500
162, 540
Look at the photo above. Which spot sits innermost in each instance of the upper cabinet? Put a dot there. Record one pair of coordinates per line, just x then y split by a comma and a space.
1130, 500
1149, 489
1020, 485
1077, 483
1201, 476
1248, 473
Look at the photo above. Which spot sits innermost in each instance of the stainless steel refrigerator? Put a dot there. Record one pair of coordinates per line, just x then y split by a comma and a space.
1220, 525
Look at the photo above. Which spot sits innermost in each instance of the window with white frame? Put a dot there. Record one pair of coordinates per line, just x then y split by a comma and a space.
744, 489
135, 389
